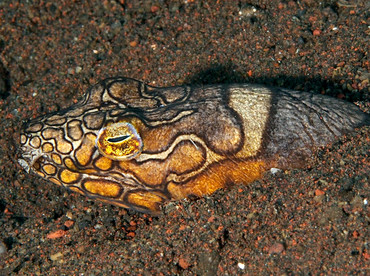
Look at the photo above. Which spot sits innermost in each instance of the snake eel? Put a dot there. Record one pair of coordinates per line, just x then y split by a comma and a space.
137, 146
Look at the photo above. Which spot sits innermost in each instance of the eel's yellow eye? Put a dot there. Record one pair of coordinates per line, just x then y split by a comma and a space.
119, 141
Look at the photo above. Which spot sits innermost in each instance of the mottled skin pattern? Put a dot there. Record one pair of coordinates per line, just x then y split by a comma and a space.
180, 141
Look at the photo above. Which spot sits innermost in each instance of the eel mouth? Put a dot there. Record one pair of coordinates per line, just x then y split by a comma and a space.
31, 158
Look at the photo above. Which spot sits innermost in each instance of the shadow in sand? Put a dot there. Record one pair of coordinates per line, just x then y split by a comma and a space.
218, 73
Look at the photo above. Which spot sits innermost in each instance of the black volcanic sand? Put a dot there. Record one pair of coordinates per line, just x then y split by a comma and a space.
298, 222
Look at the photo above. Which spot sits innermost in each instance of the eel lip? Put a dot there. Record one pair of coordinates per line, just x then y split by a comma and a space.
29, 157
24, 164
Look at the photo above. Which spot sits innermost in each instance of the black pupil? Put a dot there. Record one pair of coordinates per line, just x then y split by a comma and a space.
118, 139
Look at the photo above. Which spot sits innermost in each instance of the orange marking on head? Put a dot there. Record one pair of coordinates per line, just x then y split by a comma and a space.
157, 138
56, 158
70, 164
23, 139
34, 127
146, 199
185, 157
49, 169
63, 146
49, 133
47, 147
40, 173
56, 120
218, 176
76, 189
104, 188
151, 172
74, 129
103, 163
55, 181
68, 176
35, 142
84, 153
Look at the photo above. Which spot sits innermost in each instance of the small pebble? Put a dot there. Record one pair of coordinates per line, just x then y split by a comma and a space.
184, 264
69, 215
275, 170
154, 9
56, 256
276, 248
2, 248
78, 69
56, 234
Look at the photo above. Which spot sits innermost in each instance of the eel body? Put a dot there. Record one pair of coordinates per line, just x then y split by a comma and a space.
137, 146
